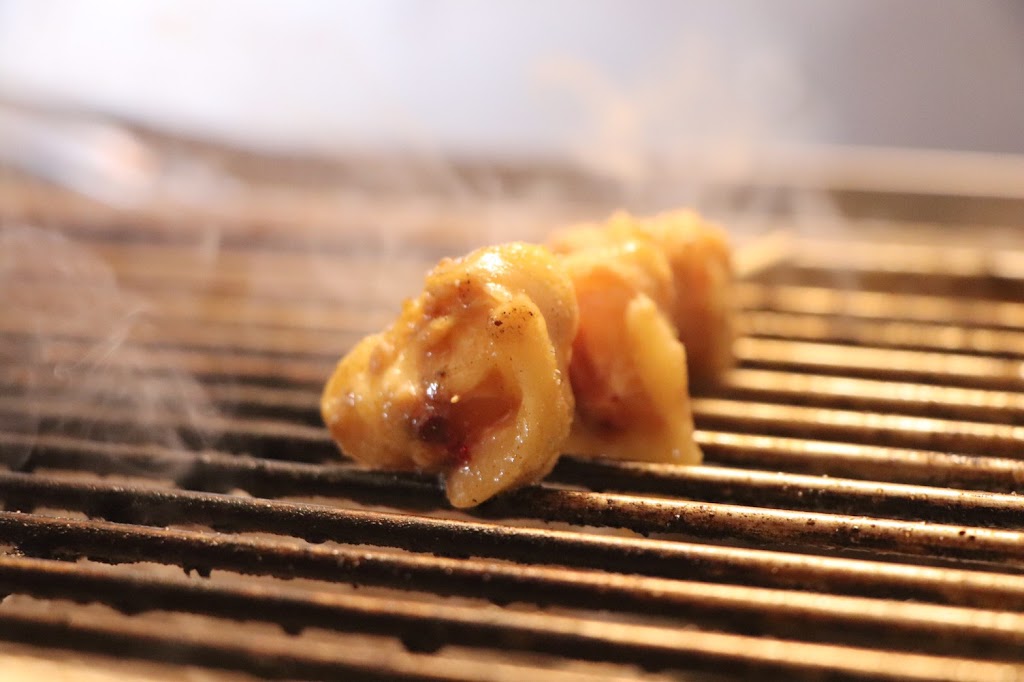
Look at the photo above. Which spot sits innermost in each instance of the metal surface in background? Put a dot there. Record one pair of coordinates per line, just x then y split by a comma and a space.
856, 516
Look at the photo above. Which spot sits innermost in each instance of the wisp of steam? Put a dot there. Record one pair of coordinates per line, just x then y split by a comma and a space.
71, 365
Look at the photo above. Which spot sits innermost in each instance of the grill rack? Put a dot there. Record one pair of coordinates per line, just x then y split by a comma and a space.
856, 517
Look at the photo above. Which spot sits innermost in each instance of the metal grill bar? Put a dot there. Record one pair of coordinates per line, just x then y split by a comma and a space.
872, 429
862, 461
243, 310
846, 301
766, 527
787, 454
945, 369
221, 472
890, 334
293, 341
840, 315
42, 536
957, 436
861, 427
259, 436
841, 298
265, 657
923, 261
223, 365
1003, 407
211, 335
431, 626
990, 286
811, 616
290, 440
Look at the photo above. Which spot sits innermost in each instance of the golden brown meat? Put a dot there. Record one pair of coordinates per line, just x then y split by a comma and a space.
698, 253
471, 381
512, 355
699, 259
628, 368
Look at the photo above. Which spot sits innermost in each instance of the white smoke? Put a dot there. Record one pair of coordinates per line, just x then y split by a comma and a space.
65, 322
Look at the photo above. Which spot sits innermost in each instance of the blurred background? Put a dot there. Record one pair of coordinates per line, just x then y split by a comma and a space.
529, 78
659, 100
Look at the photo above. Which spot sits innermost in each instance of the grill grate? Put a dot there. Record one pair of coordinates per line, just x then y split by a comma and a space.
856, 517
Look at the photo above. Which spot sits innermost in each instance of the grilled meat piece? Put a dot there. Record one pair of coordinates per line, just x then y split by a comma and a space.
698, 257
471, 381
517, 352
628, 367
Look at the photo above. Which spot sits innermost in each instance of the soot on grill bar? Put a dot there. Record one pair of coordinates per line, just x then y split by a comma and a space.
677, 391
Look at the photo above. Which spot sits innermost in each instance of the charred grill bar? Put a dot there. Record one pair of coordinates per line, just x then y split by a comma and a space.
856, 516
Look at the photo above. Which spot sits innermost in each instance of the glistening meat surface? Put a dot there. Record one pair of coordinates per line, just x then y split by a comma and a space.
518, 352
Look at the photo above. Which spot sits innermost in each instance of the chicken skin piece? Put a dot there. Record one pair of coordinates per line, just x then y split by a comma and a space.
471, 381
701, 270
628, 368
517, 353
